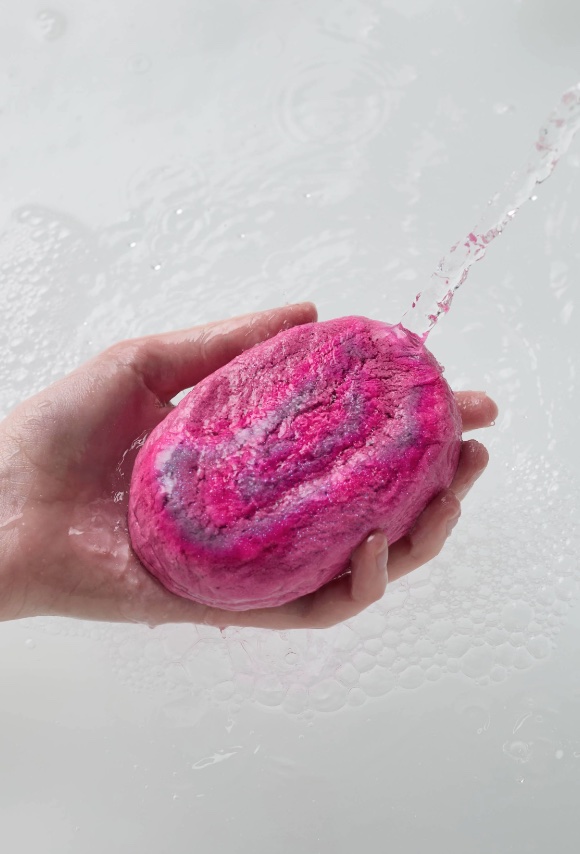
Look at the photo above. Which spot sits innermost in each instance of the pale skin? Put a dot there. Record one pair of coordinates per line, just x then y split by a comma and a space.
65, 473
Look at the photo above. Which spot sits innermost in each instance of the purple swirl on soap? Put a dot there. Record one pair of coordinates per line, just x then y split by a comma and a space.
261, 482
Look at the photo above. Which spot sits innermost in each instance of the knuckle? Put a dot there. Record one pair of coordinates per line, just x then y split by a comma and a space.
125, 353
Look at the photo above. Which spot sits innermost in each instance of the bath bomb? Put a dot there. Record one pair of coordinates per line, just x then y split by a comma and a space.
257, 487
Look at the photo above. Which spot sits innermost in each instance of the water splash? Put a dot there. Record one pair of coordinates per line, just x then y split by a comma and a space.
50, 25
554, 139
337, 103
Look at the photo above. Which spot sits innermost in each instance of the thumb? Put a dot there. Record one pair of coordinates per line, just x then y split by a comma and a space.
172, 361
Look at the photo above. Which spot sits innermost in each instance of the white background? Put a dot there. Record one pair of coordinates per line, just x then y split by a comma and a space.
163, 164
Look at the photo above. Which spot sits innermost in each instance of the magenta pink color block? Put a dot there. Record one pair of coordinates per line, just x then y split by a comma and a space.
257, 487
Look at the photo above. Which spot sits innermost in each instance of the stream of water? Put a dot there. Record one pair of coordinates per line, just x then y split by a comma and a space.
553, 141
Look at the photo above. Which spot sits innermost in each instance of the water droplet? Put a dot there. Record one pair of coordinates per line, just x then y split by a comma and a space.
539, 647
477, 662
50, 24
519, 751
334, 103
139, 64
501, 109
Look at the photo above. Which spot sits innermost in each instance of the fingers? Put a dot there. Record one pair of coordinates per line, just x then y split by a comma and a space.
473, 460
427, 537
339, 600
173, 361
369, 570
476, 408
348, 595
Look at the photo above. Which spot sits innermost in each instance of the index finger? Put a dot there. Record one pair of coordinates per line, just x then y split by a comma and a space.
476, 408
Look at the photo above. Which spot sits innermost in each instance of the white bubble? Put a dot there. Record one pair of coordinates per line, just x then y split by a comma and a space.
498, 674
347, 674
477, 662
270, 692
296, 701
356, 697
457, 646
522, 659
362, 661
412, 677
516, 615
433, 673
440, 630
539, 647
328, 696
378, 681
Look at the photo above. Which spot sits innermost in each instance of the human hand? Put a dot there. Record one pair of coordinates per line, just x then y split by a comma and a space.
66, 457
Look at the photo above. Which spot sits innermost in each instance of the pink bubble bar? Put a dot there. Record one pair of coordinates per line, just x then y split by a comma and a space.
257, 487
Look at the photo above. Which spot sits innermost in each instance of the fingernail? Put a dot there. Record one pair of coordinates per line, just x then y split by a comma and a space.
381, 550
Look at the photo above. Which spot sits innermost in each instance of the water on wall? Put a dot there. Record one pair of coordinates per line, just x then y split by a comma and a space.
162, 169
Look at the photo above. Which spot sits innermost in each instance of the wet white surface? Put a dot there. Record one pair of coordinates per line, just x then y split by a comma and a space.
185, 163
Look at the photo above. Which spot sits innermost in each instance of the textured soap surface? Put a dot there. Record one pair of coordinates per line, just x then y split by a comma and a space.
257, 487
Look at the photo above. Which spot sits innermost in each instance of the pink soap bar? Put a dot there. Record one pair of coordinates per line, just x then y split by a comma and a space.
257, 487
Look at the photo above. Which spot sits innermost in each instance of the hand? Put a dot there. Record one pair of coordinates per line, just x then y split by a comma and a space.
65, 472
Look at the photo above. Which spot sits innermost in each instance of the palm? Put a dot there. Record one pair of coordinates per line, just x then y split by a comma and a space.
78, 474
